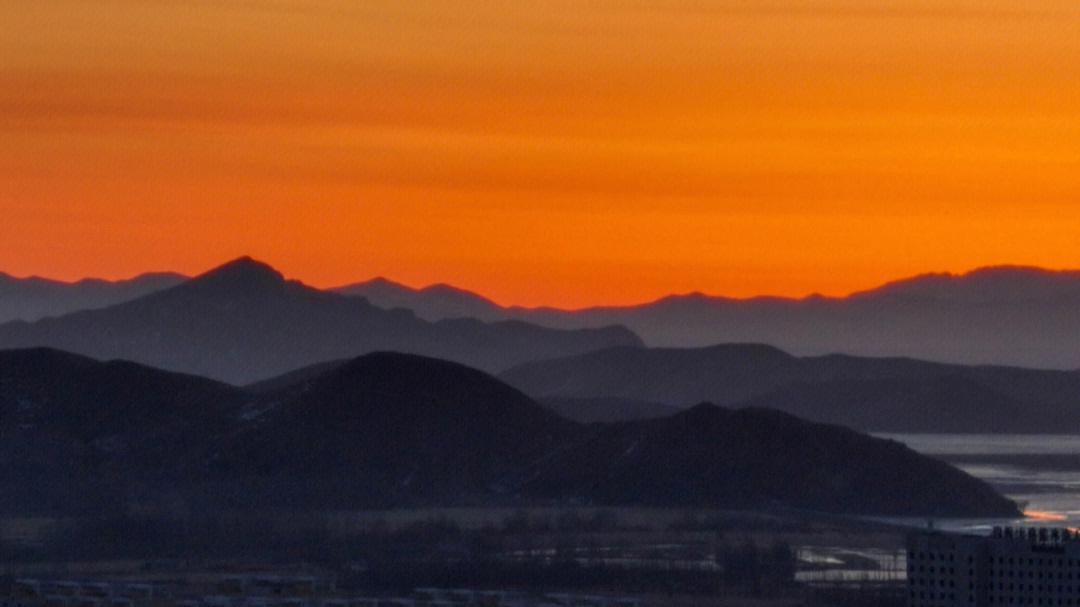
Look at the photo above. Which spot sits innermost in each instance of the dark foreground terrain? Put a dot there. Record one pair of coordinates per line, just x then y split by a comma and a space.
656, 557
82, 437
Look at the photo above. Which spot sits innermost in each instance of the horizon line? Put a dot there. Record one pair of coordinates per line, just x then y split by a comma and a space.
654, 299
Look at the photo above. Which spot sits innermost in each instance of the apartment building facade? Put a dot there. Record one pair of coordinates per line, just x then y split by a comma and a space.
1024, 566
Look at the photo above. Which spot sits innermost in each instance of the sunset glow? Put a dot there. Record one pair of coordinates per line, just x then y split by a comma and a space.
1044, 516
564, 153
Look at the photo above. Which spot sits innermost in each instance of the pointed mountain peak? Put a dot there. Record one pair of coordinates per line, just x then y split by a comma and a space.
243, 272
381, 281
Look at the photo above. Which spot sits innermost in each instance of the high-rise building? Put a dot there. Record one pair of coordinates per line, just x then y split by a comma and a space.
1026, 566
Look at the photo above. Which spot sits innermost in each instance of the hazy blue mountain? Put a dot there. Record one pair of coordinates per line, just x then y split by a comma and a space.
989, 285
434, 302
1006, 315
869, 394
243, 322
78, 436
33, 298
1009, 315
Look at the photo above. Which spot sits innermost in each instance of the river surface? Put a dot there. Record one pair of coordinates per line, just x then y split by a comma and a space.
1041, 472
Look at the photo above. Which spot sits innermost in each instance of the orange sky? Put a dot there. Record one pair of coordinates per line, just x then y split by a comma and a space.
560, 152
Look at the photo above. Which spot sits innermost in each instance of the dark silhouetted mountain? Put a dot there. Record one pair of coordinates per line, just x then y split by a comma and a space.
589, 410
869, 394
584, 410
33, 298
1014, 316
388, 429
243, 322
711, 456
393, 429
432, 303
79, 435
292, 378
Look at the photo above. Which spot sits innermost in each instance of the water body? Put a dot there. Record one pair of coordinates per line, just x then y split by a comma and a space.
1041, 472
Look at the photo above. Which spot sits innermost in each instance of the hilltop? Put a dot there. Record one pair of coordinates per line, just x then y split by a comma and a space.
397, 430
243, 322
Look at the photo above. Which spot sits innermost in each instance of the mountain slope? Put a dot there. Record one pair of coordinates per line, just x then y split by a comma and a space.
1007, 315
994, 284
81, 435
392, 429
589, 410
243, 322
709, 456
432, 303
32, 298
395, 430
869, 394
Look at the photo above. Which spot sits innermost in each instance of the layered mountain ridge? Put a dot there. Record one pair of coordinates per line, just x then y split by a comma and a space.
396, 430
868, 394
32, 298
243, 322
1003, 315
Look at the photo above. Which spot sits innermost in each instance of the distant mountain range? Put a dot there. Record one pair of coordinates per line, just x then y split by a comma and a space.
868, 394
433, 303
79, 436
1008, 315
243, 322
33, 298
